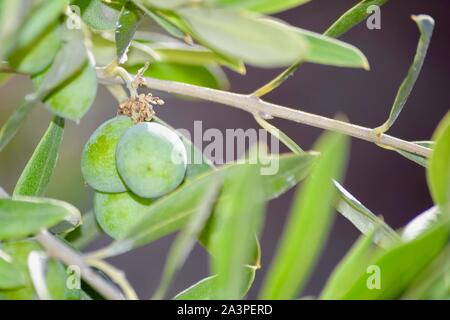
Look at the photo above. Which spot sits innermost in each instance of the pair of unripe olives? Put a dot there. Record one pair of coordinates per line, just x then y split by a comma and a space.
129, 165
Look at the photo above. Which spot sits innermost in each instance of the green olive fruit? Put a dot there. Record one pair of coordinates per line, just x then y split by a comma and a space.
151, 159
98, 162
116, 213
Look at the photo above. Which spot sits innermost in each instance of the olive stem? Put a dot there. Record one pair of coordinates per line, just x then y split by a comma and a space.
255, 105
55, 248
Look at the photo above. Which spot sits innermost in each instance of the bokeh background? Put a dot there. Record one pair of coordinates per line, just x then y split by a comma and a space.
384, 181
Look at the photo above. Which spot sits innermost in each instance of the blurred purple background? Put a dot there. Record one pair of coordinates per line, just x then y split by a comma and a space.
384, 181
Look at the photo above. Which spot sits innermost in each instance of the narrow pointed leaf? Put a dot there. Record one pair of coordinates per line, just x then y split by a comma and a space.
14, 122
352, 17
208, 288
236, 223
98, 14
426, 26
39, 169
364, 220
416, 158
308, 224
126, 28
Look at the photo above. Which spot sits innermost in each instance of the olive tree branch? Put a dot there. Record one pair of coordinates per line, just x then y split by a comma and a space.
255, 105
56, 249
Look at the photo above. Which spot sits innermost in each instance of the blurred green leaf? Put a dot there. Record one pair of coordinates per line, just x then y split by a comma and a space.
176, 52
204, 76
126, 28
185, 241
329, 51
73, 98
352, 17
416, 158
432, 283
55, 277
73, 50
99, 14
40, 19
12, 125
236, 223
421, 223
35, 177
245, 36
39, 38
11, 13
39, 54
171, 212
364, 220
208, 288
426, 26
24, 216
438, 173
353, 263
160, 20
309, 222
53, 79
263, 6
10, 276
398, 266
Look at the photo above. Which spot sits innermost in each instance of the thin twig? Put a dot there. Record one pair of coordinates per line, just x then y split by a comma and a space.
55, 248
254, 105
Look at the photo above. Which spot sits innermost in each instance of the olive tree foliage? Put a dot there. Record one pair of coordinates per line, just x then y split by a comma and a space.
69, 48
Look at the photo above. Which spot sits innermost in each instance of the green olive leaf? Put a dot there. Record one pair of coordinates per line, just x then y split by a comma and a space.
11, 14
352, 17
127, 25
36, 176
426, 26
351, 264
309, 222
416, 158
204, 76
364, 220
12, 125
39, 38
185, 241
245, 36
396, 267
98, 14
438, 172
236, 223
208, 288
10, 275
24, 216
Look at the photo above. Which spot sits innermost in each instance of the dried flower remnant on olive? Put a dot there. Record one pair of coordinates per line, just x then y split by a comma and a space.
140, 108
